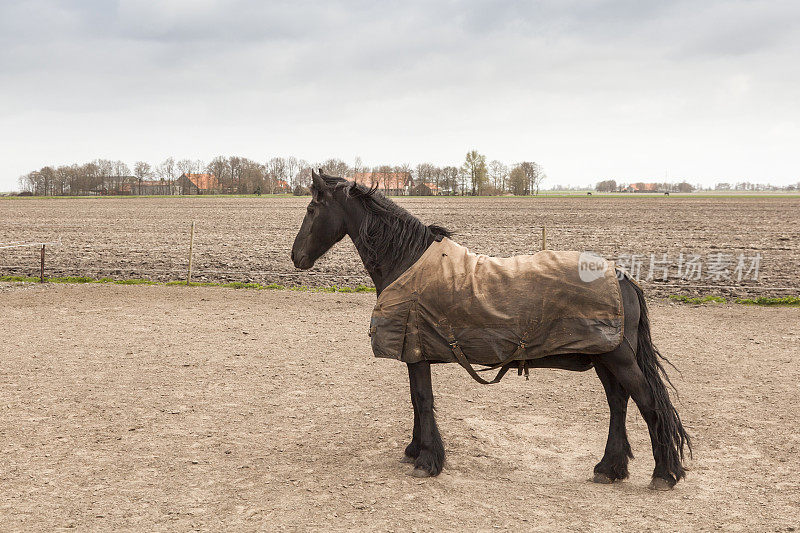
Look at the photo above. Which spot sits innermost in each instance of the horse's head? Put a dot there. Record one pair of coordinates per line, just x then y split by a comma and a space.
323, 226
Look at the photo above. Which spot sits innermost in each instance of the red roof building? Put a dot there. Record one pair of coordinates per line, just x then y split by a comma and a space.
390, 183
197, 183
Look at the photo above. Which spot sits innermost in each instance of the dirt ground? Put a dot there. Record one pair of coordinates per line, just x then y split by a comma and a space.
248, 239
173, 408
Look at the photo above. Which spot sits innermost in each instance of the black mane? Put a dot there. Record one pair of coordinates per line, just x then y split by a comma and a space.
389, 233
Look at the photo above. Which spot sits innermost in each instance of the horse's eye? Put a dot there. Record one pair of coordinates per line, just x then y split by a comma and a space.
310, 209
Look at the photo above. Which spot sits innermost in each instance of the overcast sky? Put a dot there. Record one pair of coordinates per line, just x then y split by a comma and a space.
632, 90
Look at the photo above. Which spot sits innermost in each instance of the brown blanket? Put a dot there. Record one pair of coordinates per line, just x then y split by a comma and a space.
496, 310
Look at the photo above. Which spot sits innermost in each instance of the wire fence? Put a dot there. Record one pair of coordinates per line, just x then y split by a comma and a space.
321, 278
182, 271
23, 244
180, 274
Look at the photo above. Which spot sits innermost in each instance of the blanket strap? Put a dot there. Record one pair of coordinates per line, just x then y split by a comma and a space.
462, 360
503, 365
519, 349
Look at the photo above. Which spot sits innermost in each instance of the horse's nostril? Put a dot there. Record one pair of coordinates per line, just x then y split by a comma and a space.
292, 254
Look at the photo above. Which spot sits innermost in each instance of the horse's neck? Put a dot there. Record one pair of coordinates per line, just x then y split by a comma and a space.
394, 271
384, 273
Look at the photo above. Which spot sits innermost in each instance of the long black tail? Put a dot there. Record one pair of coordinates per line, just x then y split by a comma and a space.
670, 436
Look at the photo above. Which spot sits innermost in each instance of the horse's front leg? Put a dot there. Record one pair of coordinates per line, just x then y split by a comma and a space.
426, 442
412, 450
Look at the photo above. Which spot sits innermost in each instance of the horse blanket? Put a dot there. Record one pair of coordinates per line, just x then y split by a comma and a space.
453, 304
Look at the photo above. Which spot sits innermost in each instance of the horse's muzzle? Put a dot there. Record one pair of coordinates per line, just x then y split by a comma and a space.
301, 261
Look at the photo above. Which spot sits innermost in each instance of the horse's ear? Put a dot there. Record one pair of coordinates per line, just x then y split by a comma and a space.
317, 182
319, 189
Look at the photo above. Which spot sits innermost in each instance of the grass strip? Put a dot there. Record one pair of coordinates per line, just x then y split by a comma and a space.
697, 300
229, 285
783, 301
767, 301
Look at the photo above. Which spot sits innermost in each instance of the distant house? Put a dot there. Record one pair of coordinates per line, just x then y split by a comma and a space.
151, 187
389, 183
113, 185
434, 188
642, 187
197, 184
424, 189
282, 187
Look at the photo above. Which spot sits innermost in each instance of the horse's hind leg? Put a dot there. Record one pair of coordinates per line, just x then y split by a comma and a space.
412, 450
614, 464
640, 371
430, 459
665, 434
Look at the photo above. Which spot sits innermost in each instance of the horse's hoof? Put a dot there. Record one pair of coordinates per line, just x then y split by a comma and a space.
420, 472
660, 484
600, 477
407, 459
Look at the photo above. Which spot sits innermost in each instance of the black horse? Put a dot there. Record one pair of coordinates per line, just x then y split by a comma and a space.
390, 240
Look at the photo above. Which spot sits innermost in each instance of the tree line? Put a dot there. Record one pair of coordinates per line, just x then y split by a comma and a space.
684, 187
613, 186
241, 175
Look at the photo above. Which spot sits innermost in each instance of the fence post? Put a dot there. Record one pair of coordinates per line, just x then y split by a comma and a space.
41, 270
544, 237
191, 245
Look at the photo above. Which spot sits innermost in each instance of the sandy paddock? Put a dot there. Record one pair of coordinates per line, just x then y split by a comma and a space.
171, 408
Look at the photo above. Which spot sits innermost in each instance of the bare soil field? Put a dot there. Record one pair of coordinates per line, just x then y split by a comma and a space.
248, 239
158, 408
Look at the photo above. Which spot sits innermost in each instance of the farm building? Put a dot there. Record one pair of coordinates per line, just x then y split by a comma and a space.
642, 187
151, 187
282, 187
389, 183
197, 184
115, 185
424, 189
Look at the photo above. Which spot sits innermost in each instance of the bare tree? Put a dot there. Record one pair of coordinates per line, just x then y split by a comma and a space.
62, 178
606, 186
141, 171
382, 177
518, 181
186, 167
120, 177
219, 168
335, 167
427, 173
292, 167
449, 179
24, 183
498, 173
475, 170
245, 175
276, 170
235, 169
166, 173
303, 173
358, 167
533, 174
254, 176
